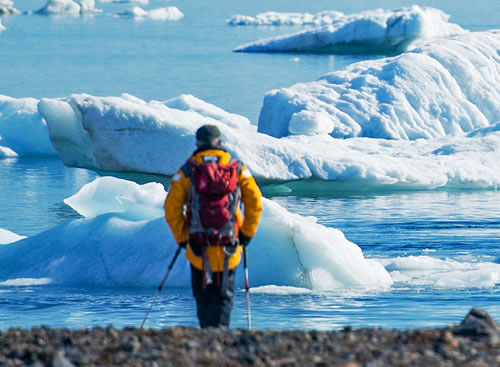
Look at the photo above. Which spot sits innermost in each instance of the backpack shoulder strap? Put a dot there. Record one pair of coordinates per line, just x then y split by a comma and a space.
238, 164
187, 168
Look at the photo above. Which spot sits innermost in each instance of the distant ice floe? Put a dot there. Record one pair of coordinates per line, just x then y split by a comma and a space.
7, 8
2, 27
275, 18
167, 13
378, 31
139, 2
86, 7
444, 87
425, 271
119, 247
68, 7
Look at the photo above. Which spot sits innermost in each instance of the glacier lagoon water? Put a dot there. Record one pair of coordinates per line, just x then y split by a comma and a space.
102, 55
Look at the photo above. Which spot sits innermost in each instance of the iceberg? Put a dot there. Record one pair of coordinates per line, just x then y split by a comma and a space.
276, 18
444, 87
125, 134
7, 237
140, 2
67, 7
167, 13
378, 32
7, 8
425, 271
123, 248
23, 131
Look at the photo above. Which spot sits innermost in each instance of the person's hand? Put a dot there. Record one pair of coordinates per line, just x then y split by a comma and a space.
244, 239
183, 245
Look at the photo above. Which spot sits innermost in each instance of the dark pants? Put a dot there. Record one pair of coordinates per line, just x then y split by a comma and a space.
213, 304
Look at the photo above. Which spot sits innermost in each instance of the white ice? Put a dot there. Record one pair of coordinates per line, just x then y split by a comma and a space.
122, 248
130, 135
7, 7
166, 13
378, 31
276, 18
425, 271
23, 131
444, 87
140, 2
2, 27
67, 7
290, 254
439, 107
7, 237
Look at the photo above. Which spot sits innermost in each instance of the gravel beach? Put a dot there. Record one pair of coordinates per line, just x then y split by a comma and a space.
475, 342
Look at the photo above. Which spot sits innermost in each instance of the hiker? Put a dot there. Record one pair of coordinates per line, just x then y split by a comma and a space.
210, 225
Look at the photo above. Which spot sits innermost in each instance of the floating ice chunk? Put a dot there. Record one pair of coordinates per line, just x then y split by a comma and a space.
167, 13
7, 7
427, 271
88, 7
275, 18
66, 7
288, 249
9, 237
26, 282
442, 88
126, 134
69, 7
379, 31
23, 131
112, 195
140, 2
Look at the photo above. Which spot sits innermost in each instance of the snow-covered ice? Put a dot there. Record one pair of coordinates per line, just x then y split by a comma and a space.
276, 18
166, 13
23, 131
426, 119
7, 7
444, 87
378, 31
67, 7
132, 249
117, 246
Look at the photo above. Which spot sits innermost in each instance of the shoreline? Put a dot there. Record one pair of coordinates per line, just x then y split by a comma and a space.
473, 343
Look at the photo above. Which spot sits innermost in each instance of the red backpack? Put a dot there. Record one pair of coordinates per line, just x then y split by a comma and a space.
213, 199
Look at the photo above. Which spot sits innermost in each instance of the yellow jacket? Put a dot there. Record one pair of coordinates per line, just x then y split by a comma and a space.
175, 210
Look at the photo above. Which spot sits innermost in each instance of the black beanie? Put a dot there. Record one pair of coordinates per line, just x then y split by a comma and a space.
207, 133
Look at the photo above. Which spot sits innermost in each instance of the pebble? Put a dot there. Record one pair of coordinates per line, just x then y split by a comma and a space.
468, 344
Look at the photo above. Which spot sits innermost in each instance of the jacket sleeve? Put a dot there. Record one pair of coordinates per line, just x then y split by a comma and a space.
251, 199
174, 206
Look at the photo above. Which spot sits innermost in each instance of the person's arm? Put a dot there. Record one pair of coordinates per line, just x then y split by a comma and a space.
252, 205
174, 207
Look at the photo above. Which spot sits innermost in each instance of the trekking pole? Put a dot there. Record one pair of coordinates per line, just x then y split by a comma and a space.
247, 287
160, 287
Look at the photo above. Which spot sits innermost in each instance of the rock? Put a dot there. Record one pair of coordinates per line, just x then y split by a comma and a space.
479, 323
60, 360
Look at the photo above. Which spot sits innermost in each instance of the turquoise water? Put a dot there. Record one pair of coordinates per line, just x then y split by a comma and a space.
57, 56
